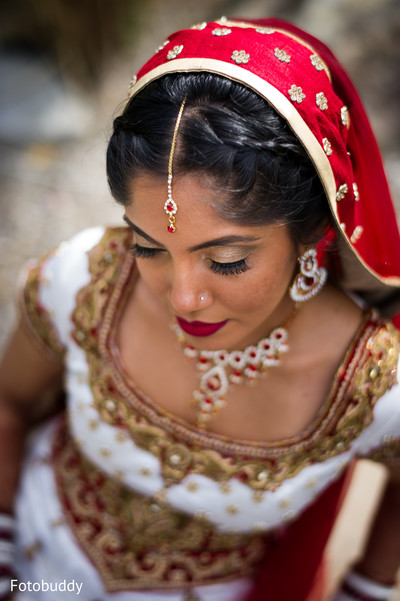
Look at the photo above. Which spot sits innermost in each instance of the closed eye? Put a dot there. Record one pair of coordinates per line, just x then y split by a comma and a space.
143, 252
233, 268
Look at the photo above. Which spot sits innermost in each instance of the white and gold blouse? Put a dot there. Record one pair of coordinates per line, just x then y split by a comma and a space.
149, 501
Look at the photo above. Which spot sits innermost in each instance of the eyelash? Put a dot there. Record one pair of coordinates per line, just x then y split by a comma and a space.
143, 252
234, 268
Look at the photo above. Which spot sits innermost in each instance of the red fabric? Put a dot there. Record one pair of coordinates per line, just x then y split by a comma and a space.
370, 226
290, 569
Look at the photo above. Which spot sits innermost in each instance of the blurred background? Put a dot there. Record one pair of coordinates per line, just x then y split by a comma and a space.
65, 67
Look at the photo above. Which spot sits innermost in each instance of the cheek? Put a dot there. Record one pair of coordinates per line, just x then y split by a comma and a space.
152, 276
263, 289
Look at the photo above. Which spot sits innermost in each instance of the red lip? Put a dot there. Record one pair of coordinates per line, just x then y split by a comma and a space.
200, 328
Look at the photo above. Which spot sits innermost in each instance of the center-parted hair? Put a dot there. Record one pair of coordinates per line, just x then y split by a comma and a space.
231, 136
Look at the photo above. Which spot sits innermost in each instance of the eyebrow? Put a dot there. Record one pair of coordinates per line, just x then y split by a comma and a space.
222, 241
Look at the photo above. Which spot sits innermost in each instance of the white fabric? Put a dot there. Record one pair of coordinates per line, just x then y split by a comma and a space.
38, 509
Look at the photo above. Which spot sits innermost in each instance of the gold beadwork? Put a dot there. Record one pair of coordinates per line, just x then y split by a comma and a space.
240, 57
327, 147
321, 101
221, 31
200, 26
317, 62
342, 191
170, 206
296, 94
345, 116
174, 52
282, 56
356, 192
357, 233
131, 85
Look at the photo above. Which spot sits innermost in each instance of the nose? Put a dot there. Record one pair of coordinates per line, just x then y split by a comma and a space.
188, 292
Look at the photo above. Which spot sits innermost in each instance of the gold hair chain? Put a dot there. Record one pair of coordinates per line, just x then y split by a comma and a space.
170, 206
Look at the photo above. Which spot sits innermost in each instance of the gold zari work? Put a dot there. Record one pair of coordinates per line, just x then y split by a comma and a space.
35, 318
139, 542
181, 449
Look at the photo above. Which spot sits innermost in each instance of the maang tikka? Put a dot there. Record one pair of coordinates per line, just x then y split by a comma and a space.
170, 206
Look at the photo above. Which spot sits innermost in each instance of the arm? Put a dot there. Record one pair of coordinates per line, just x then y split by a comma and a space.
374, 575
26, 377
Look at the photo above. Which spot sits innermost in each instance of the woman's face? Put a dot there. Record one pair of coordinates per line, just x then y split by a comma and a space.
225, 284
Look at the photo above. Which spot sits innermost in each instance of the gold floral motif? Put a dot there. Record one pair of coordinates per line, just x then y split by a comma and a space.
183, 450
296, 94
221, 31
240, 57
200, 26
318, 63
36, 319
345, 116
161, 46
174, 52
341, 192
357, 233
388, 453
139, 542
321, 101
132, 82
327, 147
282, 56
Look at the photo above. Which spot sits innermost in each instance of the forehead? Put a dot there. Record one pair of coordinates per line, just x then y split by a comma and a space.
197, 218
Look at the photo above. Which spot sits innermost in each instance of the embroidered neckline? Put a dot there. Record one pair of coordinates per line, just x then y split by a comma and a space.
122, 284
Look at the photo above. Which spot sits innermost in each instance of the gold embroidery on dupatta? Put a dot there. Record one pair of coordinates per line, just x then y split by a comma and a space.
180, 448
139, 542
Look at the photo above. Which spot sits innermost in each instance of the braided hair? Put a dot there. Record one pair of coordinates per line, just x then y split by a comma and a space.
242, 147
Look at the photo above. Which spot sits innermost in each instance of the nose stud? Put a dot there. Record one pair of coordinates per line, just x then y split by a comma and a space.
202, 298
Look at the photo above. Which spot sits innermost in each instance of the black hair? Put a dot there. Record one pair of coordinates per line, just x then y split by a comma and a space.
230, 135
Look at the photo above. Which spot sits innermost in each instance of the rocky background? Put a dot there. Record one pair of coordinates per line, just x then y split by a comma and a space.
65, 66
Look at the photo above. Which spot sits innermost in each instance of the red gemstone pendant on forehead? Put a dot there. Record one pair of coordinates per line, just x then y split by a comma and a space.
170, 206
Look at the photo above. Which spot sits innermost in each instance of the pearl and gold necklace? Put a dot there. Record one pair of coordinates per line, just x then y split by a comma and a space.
219, 369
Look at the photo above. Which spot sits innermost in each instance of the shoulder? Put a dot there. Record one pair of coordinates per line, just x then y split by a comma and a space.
49, 285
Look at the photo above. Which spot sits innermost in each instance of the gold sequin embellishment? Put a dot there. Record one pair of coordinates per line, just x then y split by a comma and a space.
296, 94
321, 101
174, 52
221, 31
240, 57
282, 56
341, 192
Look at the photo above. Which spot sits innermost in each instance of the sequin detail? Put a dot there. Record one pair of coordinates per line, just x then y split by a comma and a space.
200, 26
357, 233
240, 57
174, 52
356, 192
345, 116
321, 101
296, 94
342, 191
162, 45
282, 56
317, 62
221, 31
327, 147
131, 85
